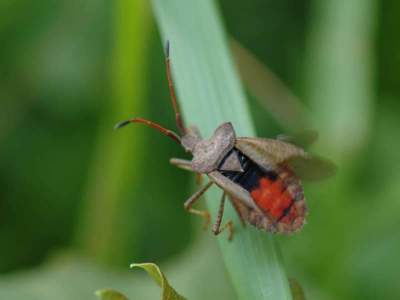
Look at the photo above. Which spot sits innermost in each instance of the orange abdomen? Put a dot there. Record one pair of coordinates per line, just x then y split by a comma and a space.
277, 192
275, 200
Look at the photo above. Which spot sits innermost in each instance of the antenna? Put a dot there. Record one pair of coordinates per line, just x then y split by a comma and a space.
151, 124
178, 119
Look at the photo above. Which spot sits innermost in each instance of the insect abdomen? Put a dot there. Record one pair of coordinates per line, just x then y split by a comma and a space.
278, 194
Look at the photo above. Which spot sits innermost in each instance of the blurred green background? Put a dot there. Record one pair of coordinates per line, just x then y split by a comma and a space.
79, 202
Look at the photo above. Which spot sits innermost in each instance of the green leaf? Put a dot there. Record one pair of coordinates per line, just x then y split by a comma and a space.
168, 293
110, 294
210, 93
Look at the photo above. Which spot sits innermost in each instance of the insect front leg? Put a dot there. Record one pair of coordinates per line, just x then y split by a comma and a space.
186, 165
189, 203
217, 226
182, 163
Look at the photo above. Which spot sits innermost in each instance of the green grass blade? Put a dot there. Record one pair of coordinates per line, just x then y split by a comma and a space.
210, 93
100, 233
340, 73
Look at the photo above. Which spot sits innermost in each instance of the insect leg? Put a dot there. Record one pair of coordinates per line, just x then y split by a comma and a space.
238, 208
186, 165
189, 203
199, 178
217, 226
182, 163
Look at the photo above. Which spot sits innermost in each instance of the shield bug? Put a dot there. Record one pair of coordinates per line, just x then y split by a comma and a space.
260, 176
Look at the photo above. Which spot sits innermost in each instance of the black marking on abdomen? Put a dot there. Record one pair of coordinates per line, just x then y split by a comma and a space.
250, 177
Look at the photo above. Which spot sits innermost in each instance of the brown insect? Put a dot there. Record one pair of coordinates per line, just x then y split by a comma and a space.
261, 176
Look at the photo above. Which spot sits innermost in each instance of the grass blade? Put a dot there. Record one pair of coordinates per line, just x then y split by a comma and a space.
99, 233
340, 74
210, 93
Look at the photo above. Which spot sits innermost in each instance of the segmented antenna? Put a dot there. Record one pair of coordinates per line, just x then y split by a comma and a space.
179, 122
151, 124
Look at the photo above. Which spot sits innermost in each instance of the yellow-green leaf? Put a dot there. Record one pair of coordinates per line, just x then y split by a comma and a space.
168, 293
110, 294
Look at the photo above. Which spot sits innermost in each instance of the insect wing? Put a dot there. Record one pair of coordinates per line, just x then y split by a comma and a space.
269, 153
312, 167
302, 138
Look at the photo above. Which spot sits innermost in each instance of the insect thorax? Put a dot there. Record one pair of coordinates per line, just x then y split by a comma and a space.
208, 153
